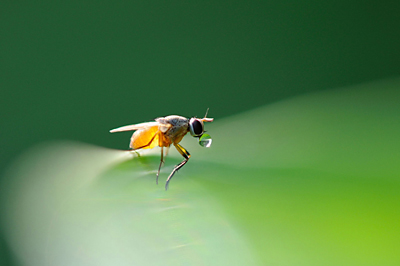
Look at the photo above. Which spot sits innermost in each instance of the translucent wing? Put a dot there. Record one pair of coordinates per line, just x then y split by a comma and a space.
147, 135
135, 127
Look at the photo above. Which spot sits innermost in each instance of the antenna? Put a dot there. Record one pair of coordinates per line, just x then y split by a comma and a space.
205, 119
206, 113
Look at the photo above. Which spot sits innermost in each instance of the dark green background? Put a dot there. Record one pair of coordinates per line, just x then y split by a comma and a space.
75, 69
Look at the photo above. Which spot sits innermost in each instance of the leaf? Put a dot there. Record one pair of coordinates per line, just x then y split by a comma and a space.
313, 180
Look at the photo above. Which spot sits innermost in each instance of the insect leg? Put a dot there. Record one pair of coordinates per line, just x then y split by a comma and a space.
185, 155
161, 163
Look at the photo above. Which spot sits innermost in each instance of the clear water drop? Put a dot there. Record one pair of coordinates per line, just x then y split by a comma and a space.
205, 140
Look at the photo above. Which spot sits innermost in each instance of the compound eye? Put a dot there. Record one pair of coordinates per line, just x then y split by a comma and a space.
196, 127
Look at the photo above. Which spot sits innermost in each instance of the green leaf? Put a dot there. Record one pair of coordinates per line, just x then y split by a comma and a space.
313, 180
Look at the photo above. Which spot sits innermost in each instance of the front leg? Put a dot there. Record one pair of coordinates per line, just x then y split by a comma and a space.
186, 157
161, 163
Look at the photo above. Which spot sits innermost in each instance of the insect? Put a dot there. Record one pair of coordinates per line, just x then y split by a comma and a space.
167, 131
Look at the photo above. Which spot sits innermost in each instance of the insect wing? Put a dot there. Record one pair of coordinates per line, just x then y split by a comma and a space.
135, 127
145, 138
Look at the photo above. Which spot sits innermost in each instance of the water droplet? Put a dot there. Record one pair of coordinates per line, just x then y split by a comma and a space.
205, 140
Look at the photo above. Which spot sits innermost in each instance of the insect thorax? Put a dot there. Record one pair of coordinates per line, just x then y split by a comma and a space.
174, 124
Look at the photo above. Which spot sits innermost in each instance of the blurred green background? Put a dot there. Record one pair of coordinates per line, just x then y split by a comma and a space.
73, 70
